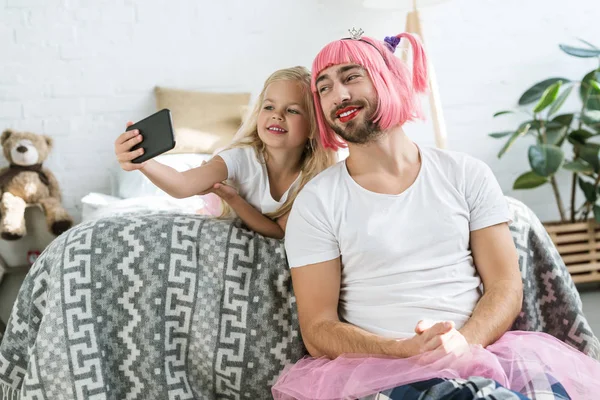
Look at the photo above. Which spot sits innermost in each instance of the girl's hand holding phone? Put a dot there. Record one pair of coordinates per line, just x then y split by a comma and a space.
123, 146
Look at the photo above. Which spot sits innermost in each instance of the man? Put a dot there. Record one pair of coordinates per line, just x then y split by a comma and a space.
388, 250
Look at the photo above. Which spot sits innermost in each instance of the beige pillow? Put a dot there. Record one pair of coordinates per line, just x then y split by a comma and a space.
203, 122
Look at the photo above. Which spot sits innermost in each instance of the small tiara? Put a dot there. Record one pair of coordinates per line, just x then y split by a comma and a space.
356, 34
390, 41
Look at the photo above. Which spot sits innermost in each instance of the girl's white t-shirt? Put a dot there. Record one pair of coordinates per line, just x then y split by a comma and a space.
249, 175
404, 257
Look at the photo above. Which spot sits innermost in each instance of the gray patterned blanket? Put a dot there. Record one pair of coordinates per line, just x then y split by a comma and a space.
551, 302
168, 306
158, 306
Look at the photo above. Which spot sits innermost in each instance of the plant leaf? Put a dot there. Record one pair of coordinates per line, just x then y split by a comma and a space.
579, 166
529, 180
520, 132
545, 159
564, 119
591, 117
588, 190
560, 100
548, 97
556, 136
589, 153
535, 92
533, 124
555, 132
593, 97
588, 43
579, 52
597, 212
593, 102
498, 135
595, 85
503, 112
579, 136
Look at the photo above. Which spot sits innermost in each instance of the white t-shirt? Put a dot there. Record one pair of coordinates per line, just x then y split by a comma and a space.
249, 176
404, 257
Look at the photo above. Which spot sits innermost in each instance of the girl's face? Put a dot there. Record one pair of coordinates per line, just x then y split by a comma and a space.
283, 120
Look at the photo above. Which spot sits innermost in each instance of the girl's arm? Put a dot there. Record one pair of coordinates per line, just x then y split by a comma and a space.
253, 218
187, 183
175, 183
282, 221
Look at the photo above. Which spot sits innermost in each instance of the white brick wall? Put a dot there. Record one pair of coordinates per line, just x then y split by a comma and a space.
487, 53
79, 70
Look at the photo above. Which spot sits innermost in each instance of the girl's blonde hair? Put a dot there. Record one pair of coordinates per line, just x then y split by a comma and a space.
315, 157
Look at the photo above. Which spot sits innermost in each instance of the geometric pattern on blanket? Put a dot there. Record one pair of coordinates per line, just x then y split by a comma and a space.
172, 306
153, 307
551, 302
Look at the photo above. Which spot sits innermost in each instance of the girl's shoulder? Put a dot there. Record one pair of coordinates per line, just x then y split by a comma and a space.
242, 163
238, 151
240, 155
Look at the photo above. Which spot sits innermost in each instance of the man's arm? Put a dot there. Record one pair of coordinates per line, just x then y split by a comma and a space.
317, 288
496, 260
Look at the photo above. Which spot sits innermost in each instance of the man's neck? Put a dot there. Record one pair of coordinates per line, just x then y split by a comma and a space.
392, 154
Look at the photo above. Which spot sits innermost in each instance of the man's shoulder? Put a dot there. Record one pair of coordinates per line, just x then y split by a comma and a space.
451, 160
321, 187
326, 179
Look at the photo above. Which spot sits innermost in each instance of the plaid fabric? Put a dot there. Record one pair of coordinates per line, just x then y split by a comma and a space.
460, 389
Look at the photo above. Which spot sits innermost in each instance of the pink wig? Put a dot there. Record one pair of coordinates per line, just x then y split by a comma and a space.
396, 91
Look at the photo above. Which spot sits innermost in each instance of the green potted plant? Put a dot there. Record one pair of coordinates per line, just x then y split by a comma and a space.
564, 140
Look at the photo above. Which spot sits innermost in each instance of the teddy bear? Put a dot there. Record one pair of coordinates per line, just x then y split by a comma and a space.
24, 182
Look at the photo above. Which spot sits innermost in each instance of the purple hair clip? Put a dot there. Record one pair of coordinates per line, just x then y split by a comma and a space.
392, 42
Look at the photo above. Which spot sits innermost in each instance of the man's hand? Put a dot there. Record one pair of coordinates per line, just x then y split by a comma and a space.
441, 337
429, 339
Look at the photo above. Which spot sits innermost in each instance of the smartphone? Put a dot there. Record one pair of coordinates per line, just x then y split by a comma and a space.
157, 133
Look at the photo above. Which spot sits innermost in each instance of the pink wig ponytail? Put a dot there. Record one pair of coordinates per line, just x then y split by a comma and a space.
419, 63
396, 88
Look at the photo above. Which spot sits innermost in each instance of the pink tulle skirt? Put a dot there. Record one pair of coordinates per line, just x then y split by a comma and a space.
524, 362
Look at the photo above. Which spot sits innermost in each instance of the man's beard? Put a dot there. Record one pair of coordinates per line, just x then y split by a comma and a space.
355, 132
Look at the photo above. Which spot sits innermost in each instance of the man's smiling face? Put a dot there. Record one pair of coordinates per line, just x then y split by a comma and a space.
349, 101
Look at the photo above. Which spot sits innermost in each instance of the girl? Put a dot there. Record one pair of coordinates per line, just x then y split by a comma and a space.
275, 153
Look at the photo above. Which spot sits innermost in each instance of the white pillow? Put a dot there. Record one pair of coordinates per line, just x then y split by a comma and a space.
97, 205
92, 202
127, 185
